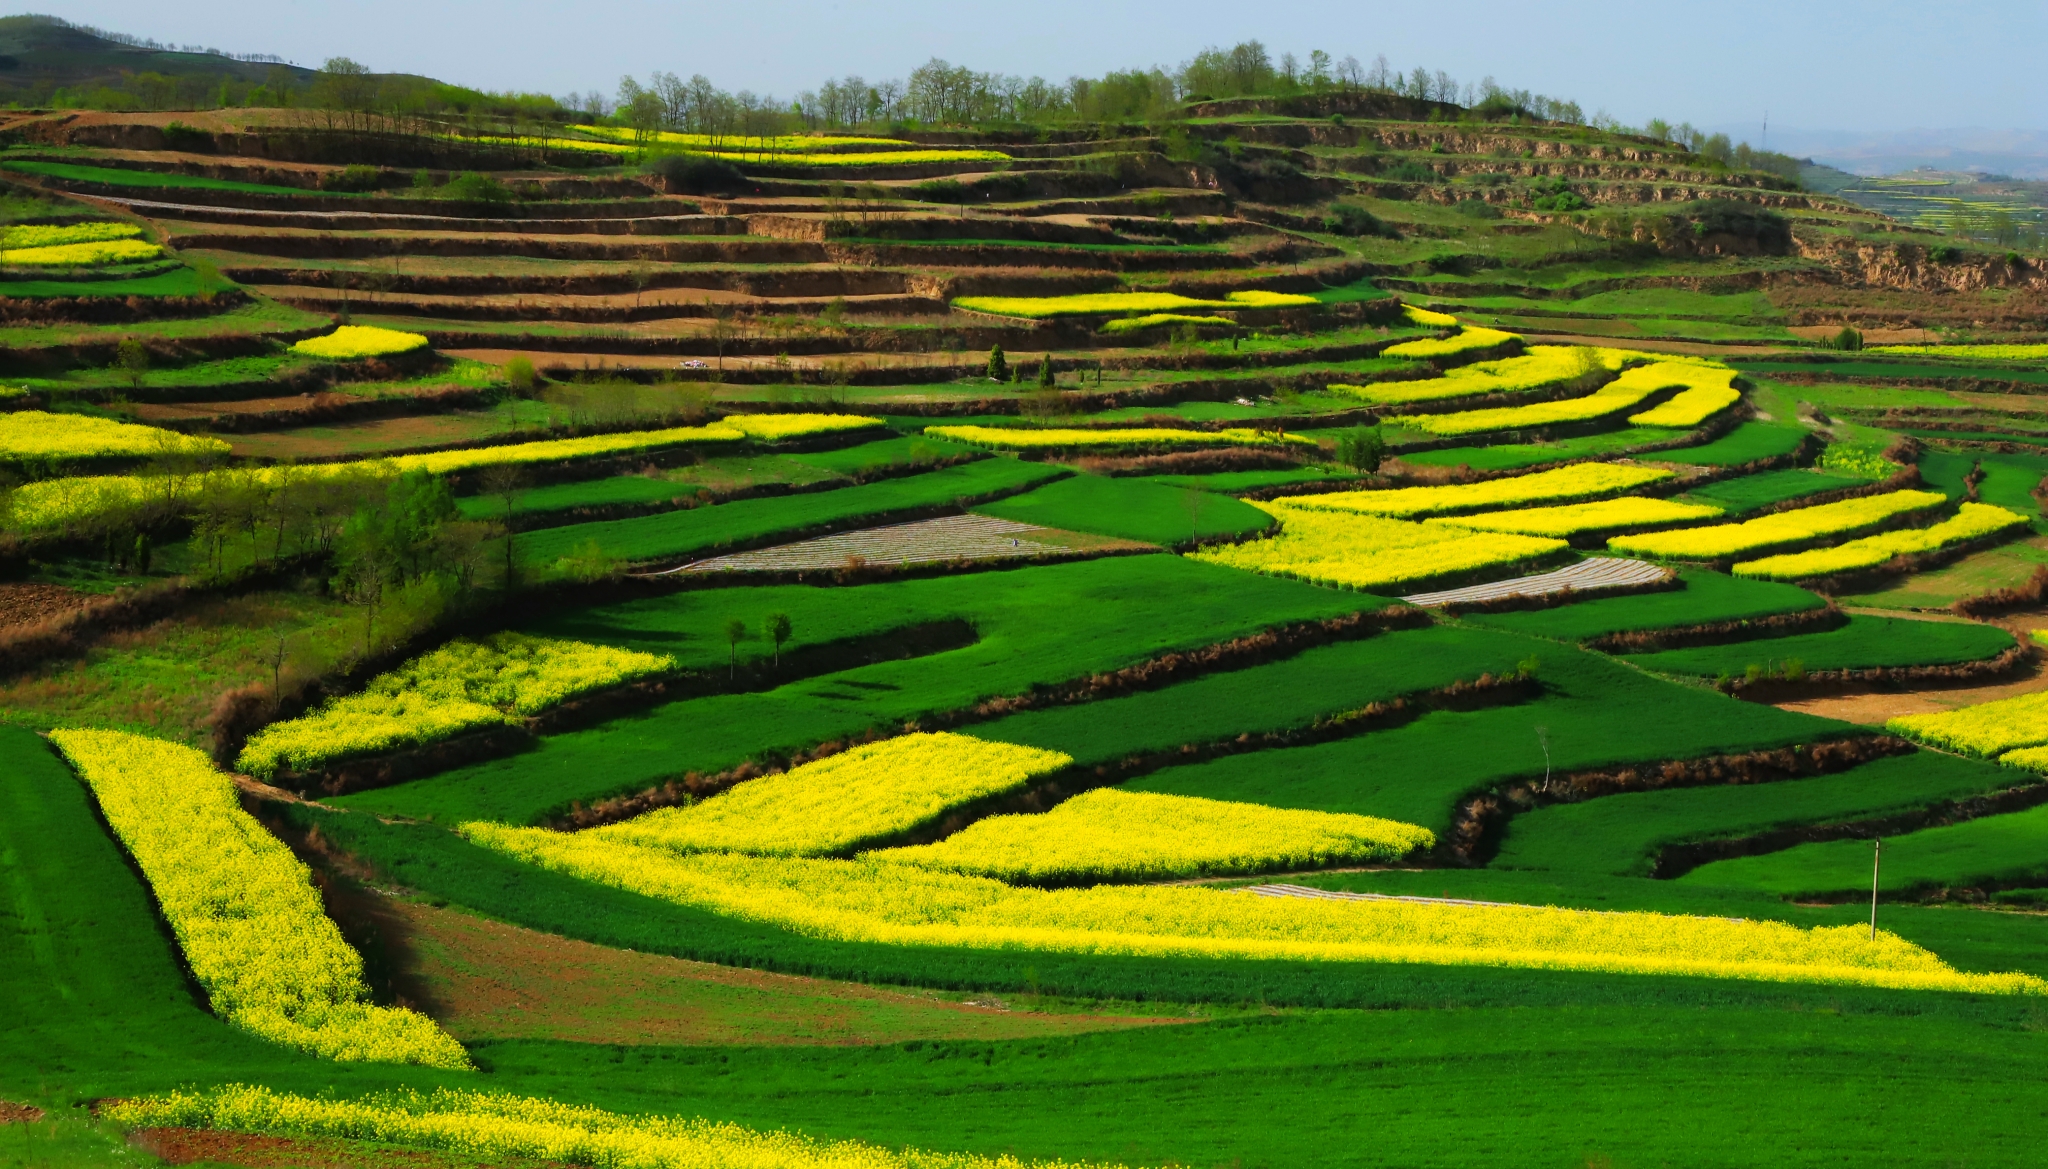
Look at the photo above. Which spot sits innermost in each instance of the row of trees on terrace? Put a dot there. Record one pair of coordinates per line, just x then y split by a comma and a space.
941, 93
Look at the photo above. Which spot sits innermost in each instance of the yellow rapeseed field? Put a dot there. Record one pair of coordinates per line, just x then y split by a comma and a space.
50, 235
1972, 521
1369, 552
1559, 485
1019, 438
493, 1127
1470, 338
1712, 392
243, 908
1542, 365
36, 434
461, 686
1114, 835
1990, 729
832, 805
1430, 317
51, 504
113, 251
1623, 392
869, 901
1572, 518
1772, 531
350, 342
1092, 303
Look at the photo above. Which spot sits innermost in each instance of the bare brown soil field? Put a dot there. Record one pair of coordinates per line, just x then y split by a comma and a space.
372, 437
23, 603
12, 1113
485, 980
193, 1146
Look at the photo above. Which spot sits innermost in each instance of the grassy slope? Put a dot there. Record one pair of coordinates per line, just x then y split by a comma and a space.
1618, 834
2008, 849
1315, 684
1750, 441
1864, 643
700, 530
1594, 712
121, 177
1034, 625
1707, 598
1132, 509
1754, 491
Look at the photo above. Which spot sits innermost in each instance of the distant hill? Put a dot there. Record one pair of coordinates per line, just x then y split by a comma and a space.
47, 51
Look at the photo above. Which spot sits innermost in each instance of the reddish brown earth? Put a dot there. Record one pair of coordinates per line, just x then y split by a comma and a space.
186, 1146
486, 980
23, 604
12, 1113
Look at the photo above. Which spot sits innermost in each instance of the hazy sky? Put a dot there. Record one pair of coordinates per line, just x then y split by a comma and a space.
1867, 65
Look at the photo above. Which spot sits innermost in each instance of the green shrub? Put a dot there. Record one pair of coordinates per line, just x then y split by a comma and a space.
1349, 219
355, 177
1848, 340
190, 139
472, 187
694, 174
1477, 209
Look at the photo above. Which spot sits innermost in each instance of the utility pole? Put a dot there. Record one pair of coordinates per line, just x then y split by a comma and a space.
1876, 855
1766, 143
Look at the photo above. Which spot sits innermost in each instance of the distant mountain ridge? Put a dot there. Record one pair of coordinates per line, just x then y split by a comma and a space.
2018, 153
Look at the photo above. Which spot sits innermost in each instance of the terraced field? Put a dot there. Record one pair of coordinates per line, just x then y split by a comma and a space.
959, 598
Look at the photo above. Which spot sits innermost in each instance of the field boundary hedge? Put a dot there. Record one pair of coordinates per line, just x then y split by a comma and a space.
1481, 820
2025, 596
1152, 674
1835, 681
1634, 641
1676, 860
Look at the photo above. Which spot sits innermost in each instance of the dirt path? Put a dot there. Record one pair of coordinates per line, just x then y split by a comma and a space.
1873, 708
482, 979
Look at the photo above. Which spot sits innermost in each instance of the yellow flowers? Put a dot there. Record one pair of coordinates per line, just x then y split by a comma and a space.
495, 1127
1542, 366
1056, 438
1623, 392
43, 235
1712, 392
873, 158
459, 687
243, 908
800, 143
1606, 515
869, 901
51, 504
1153, 320
1994, 352
833, 805
771, 427
1990, 729
350, 342
1461, 342
1087, 303
1972, 521
1367, 552
114, 251
1558, 485
1423, 316
1113, 835
1772, 531
34, 434
74, 244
